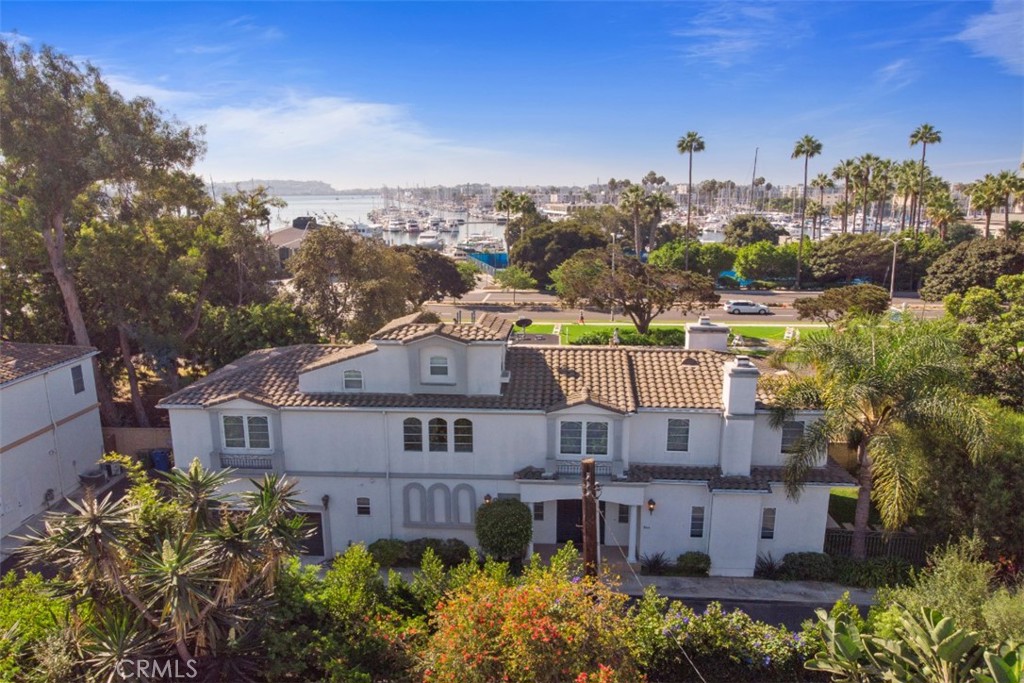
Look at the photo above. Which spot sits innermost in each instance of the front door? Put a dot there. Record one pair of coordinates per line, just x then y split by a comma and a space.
569, 524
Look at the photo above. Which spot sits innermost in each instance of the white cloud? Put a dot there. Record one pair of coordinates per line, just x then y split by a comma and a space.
164, 97
897, 74
997, 34
15, 38
729, 33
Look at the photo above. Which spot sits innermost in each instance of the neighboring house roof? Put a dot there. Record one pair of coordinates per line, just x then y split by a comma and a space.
18, 360
487, 327
543, 378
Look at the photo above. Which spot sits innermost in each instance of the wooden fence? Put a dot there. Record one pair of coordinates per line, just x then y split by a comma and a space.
909, 545
131, 440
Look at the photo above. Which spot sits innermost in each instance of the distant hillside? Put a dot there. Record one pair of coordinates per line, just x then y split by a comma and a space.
279, 188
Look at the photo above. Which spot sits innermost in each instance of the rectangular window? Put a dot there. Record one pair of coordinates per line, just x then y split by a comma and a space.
363, 507
353, 379
697, 521
438, 366
792, 434
77, 380
246, 431
538, 512
508, 496
678, 435
572, 438
768, 523
597, 438
623, 514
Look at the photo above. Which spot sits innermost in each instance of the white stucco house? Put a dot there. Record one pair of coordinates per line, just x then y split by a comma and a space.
49, 427
405, 435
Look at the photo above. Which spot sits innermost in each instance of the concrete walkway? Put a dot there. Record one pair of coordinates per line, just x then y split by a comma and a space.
727, 589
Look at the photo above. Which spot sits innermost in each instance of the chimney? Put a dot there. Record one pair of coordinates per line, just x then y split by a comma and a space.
704, 335
739, 393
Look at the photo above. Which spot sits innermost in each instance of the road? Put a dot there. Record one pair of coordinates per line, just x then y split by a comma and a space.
543, 307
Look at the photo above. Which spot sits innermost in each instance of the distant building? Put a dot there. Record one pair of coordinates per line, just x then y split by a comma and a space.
406, 435
49, 426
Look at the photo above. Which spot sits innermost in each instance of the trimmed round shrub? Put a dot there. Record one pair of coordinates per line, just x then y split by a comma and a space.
416, 548
693, 563
504, 528
388, 552
808, 567
453, 552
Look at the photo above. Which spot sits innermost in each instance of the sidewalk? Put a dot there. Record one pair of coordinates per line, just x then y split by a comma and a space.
729, 589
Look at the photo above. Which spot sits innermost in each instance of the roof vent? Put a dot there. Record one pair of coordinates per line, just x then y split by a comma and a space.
743, 362
691, 361
704, 320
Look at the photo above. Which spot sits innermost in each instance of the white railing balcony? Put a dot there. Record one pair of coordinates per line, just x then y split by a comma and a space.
246, 461
601, 468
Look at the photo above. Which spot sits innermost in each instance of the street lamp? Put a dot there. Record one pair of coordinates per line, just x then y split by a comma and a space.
892, 271
615, 236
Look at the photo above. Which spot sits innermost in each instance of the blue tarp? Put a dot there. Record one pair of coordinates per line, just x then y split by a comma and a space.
497, 260
732, 274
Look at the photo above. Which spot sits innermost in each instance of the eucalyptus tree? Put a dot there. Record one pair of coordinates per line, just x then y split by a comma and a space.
877, 382
63, 129
845, 170
925, 135
688, 144
805, 147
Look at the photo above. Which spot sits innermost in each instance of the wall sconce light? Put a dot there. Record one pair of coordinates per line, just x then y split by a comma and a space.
326, 499
651, 505
487, 499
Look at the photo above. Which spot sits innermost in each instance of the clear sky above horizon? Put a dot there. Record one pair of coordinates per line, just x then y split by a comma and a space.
423, 93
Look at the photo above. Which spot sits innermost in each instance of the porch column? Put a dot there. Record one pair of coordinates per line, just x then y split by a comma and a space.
529, 549
634, 520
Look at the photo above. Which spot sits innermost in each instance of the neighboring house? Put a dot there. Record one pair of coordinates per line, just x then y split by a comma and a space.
405, 435
49, 426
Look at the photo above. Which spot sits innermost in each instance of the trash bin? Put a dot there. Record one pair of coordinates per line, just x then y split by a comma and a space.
161, 460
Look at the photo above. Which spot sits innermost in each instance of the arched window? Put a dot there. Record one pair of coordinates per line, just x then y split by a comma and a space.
463, 436
437, 434
413, 430
353, 379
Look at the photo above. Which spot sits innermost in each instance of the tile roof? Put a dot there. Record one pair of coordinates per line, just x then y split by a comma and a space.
19, 360
487, 327
760, 479
543, 378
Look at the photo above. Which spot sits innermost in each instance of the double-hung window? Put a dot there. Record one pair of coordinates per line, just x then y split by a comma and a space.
768, 523
792, 435
77, 379
438, 366
353, 379
697, 521
678, 435
246, 432
583, 438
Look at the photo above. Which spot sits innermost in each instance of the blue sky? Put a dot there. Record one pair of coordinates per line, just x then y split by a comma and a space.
365, 94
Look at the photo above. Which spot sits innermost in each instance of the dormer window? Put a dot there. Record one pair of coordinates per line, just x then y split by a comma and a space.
246, 432
353, 380
438, 366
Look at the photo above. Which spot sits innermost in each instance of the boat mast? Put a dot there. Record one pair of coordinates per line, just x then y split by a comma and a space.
753, 179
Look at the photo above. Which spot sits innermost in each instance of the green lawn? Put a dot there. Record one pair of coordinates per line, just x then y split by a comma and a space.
539, 328
766, 332
574, 332
842, 504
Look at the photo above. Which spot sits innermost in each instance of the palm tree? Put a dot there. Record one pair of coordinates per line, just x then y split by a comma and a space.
985, 196
881, 187
805, 147
822, 181
926, 135
906, 180
1008, 184
866, 164
633, 200
657, 203
942, 211
878, 381
845, 170
506, 202
688, 144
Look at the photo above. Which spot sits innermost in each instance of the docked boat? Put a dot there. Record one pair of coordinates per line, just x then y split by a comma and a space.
412, 225
430, 239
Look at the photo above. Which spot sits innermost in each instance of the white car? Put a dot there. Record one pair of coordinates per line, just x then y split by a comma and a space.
738, 306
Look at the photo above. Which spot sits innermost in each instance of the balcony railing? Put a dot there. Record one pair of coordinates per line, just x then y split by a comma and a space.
246, 461
601, 469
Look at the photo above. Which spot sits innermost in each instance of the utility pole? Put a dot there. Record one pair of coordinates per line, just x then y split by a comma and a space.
589, 517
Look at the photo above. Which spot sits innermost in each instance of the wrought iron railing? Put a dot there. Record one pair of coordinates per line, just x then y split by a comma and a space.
246, 461
601, 469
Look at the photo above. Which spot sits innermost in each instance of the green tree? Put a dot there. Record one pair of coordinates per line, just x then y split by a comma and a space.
984, 195
228, 333
709, 258
845, 170
544, 247
976, 263
943, 211
747, 229
657, 204
514, 278
438, 274
688, 144
643, 291
764, 261
841, 303
806, 147
841, 258
351, 287
504, 527
925, 135
63, 130
877, 382
1007, 184
31, 308
633, 201
526, 216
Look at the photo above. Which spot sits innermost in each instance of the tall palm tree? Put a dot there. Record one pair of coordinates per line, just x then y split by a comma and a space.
906, 181
876, 381
845, 170
822, 182
688, 144
633, 201
658, 203
506, 202
926, 135
985, 196
942, 211
882, 187
1008, 184
866, 164
805, 147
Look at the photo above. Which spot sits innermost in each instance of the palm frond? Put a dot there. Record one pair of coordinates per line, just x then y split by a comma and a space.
896, 473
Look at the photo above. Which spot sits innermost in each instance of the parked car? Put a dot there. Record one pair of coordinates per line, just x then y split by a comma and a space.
738, 306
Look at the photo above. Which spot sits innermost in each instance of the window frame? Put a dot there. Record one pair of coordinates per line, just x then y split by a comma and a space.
410, 424
668, 435
363, 506
437, 446
462, 435
624, 518
356, 376
247, 439
696, 532
431, 366
77, 379
538, 512
768, 530
792, 447
585, 438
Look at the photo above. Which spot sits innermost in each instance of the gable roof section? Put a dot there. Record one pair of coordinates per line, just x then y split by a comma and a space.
542, 378
19, 360
488, 327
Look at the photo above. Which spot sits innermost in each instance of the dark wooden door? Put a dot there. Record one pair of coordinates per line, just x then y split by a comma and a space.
569, 522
